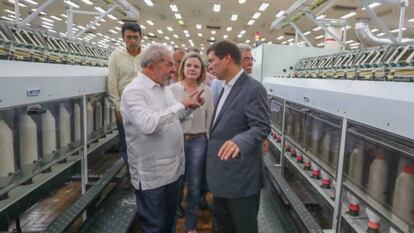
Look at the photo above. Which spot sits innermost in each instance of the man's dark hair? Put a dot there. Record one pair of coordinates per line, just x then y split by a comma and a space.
132, 27
223, 48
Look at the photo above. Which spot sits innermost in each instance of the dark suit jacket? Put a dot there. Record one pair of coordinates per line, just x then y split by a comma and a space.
244, 119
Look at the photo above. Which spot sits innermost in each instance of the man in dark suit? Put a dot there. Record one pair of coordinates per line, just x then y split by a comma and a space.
234, 155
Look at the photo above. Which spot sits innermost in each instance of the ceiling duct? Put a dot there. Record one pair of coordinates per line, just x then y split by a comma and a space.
344, 8
366, 37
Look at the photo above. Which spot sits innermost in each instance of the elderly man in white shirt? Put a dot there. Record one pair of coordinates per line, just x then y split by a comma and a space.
151, 118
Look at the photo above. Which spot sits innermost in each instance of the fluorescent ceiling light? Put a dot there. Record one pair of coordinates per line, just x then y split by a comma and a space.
396, 30
87, 2
263, 39
216, 7
239, 36
31, 2
180, 22
354, 44
280, 37
174, 8
212, 38
349, 41
225, 36
151, 34
374, 4
242, 1
316, 29
170, 29
46, 26
247, 41
213, 32
20, 4
321, 17
142, 26
374, 30
263, 6
349, 15
200, 34
411, 20
175, 36
242, 32
149, 2
47, 23
198, 26
47, 19
251, 22
306, 33
160, 31
381, 34
280, 13
178, 16
256, 15
150, 22
56, 18
10, 11
185, 31
112, 17
228, 29
167, 38
70, 3
99, 9
319, 37
234, 17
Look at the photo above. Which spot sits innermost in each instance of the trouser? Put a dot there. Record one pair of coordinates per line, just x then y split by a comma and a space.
122, 146
237, 215
157, 208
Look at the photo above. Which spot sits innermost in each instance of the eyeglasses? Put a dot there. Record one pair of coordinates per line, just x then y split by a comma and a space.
246, 59
133, 38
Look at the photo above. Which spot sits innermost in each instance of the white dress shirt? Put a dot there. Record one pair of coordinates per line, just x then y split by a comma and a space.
226, 90
154, 137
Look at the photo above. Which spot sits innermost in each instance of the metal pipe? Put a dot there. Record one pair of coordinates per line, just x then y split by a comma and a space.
365, 35
401, 23
35, 13
69, 25
16, 12
297, 30
94, 22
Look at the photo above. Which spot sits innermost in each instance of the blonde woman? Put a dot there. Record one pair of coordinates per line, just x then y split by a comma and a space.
191, 74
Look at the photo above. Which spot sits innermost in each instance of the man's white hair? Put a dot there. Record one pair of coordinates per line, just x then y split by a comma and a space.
154, 54
244, 47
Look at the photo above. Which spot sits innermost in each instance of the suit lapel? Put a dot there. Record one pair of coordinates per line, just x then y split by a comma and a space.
235, 90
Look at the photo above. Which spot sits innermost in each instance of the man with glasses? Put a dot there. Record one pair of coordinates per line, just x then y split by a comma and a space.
123, 66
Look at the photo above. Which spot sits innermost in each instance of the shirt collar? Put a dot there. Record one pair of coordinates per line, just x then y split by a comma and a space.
147, 81
234, 79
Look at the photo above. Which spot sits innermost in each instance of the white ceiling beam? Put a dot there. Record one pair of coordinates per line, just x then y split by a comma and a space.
301, 34
92, 23
35, 13
128, 7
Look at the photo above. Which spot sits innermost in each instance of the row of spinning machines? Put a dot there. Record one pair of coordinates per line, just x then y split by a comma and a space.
378, 167
390, 63
28, 44
29, 135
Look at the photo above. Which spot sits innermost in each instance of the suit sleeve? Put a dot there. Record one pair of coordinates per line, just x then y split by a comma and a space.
257, 113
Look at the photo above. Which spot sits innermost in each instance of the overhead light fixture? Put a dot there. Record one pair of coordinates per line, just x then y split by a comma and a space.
56, 18
411, 20
320, 44
175, 36
47, 19
185, 31
316, 29
174, 8
251, 22
242, 32
149, 2
87, 2
234, 17
306, 33
319, 37
375, 30
180, 22
280, 13
397, 29
178, 16
72, 4
349, 15
150, 22
142, 26
256, 15
247, 41
381, 34
263, 39
280, 37
9, 11
112, 17
264, 6
216, 7
225, 36
228, 29
170, 29
160, 31
167, 38
99, 9
113, 31
20, 4
200, 34
239, 36
354, 44
47, 23
198, 26
242, 1
213, 32
321, 17
349, 41
31, 2
151, 34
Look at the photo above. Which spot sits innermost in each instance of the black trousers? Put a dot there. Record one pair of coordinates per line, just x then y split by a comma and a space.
237, 215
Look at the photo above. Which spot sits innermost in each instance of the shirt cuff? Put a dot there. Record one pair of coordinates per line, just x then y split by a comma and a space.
178, 107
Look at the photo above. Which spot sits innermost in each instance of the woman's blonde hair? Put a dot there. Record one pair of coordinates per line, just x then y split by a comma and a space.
203, 67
